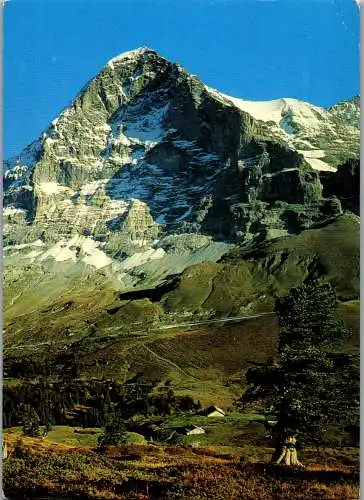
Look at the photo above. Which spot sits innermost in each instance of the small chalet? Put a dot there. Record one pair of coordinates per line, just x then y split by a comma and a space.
191, 430
213, 412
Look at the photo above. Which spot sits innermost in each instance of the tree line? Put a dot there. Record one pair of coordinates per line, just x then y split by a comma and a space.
89, 403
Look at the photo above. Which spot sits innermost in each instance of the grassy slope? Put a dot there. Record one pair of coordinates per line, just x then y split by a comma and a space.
73, 436
337, 247
246, 281
218, 356
236, 432
350, 313
154, 472
44, 316
207, 362
62, 434
243, 281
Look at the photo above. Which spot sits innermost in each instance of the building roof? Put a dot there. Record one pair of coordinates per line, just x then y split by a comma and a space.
193, 426
213, 408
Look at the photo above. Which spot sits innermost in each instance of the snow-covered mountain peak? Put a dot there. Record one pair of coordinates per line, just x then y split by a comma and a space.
311, 130
132, 54
146, 157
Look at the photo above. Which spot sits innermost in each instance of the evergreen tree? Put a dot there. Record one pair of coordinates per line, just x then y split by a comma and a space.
114, 432
48, 426
308, 390
30, 421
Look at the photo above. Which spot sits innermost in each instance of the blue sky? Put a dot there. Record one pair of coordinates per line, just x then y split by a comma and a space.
307, 49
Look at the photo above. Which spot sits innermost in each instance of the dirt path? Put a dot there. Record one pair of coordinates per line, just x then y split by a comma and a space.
169, 362
162, 327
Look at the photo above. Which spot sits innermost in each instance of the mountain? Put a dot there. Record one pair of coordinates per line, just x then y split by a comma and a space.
148, 178
155, 214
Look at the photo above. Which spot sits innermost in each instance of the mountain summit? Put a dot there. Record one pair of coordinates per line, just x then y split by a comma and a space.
149, 171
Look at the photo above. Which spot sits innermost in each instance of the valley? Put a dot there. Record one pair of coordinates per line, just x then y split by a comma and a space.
149, 234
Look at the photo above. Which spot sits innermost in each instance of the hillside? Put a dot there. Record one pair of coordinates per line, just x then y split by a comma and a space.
244, 281
149, 230
149, 171
45, 470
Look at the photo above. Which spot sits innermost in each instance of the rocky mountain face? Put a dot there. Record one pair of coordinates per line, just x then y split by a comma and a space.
149, 171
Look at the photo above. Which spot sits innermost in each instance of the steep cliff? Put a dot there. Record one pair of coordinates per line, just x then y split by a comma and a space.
149, 171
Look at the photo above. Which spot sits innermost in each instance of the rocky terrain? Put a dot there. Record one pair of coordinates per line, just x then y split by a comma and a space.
149, 172
148, 233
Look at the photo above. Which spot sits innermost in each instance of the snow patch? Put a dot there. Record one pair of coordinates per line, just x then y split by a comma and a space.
302, 112
69, 250
32, 254
49, 141
274, 174
127, 188
121, 139
285, 113
91, 187
305, 114
141, 258
320, 165
60, 252
313, 158
261, 110
184, 144
185, 215
313, 153
94, 256
37, 243
130, 54
147, 127
50, 188
208, 157
10, 210
161, 219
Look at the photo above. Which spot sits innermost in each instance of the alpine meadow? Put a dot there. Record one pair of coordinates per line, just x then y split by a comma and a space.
181, 294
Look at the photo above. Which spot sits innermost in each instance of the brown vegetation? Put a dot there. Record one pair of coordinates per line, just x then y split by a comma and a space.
146, 472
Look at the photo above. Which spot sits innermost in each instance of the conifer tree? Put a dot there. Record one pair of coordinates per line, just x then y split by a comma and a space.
30, 421
114, 432
311, 387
